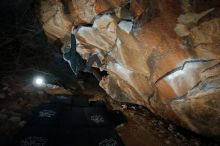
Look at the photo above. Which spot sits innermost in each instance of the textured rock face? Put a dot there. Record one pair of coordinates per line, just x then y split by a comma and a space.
56, 24
164, 55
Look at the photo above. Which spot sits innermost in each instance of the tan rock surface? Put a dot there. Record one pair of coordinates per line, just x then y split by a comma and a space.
82, 11
55, 23
166, 58
104, 5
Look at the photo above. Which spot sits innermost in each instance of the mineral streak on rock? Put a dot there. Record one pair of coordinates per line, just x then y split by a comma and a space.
164, 55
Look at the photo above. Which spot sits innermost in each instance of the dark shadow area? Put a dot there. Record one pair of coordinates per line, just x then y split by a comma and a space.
24, 46
25, 53
71, 121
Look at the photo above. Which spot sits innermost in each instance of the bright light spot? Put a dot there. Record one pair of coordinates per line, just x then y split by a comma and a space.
39, 81
176, 74
122, 69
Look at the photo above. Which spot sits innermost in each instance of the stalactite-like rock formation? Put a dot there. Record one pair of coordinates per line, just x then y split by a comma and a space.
161, 54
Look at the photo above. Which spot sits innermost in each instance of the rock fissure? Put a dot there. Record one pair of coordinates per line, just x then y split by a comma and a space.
182, 67
212, 67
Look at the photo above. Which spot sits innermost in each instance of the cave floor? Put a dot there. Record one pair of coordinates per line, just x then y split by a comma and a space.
142, 129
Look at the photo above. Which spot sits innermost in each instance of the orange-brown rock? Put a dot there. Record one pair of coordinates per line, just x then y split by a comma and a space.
55, 23
104, 5
167, 57
84, 11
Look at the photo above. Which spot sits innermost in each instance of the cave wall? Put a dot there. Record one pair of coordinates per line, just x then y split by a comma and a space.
164, 55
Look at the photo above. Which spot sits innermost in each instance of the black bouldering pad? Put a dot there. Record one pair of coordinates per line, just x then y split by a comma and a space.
73, 117
97, 117
99, 103
62, 100
75, 137
60, 123
79, 101
89, 137
35, 136
46, 115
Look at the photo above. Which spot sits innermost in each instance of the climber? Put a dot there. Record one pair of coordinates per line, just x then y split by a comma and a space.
76, 62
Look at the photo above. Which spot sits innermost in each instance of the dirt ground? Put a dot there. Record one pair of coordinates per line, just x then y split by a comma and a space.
144, 129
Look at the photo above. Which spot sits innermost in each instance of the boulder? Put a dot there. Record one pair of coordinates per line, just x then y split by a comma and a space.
199, 106
126, 26
105, 5
192, 18
123, 13
83, 11
104, 30
56, 90
55, 23
160, 54
128, 50
206, 33
182, 79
